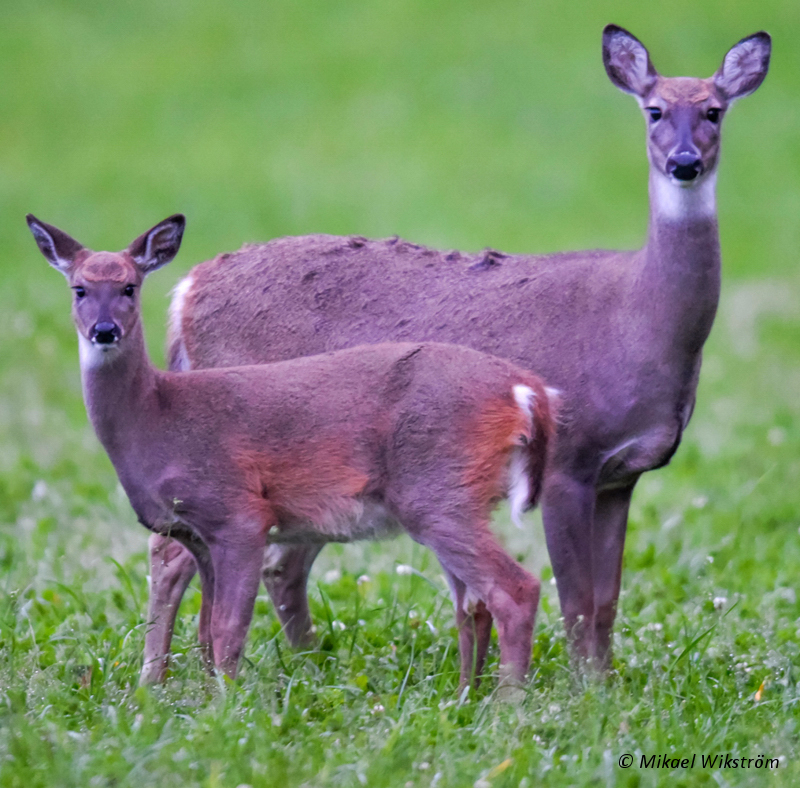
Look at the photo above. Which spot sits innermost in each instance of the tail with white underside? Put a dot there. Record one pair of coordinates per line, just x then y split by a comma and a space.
528, 459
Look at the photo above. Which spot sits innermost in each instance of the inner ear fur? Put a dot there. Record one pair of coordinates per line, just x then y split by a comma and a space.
159, 244
59, 249
627, 61
745, 66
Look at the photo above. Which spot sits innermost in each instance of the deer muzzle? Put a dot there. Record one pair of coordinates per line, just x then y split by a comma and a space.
105, 333
685, 166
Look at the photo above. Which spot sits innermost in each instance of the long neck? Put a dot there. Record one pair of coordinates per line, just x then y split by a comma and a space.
119, 389
681, 272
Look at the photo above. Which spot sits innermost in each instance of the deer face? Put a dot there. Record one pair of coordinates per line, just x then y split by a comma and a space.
105, 285
684, 114
105, 297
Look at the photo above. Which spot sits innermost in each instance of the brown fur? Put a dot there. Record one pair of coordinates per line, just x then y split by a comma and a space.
499, 427
329, 447
317, 486
683, 90
619, 333
104, 267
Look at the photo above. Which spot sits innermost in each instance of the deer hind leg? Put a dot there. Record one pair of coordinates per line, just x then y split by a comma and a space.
285, 574
474, 624
608, 543
511, 595
172, 567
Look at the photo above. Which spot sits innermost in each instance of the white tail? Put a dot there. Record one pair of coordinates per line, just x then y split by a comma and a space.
333, 447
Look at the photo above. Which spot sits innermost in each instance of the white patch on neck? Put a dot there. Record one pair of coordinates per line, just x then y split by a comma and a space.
94, 356
673, 202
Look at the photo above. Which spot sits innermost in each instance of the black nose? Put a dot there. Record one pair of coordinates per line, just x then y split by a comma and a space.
684, 166
105, 333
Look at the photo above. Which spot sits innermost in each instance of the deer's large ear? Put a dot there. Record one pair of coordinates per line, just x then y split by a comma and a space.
58, 247
627, 62
744, 67
159, 244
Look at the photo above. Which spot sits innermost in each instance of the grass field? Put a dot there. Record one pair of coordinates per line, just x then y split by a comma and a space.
458, 124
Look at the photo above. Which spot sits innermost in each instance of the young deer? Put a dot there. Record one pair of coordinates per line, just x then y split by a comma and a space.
620, 334
348, 445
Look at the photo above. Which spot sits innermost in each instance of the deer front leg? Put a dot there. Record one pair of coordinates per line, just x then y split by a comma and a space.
171, 569
567, 512
285, 574
608, 543
237, 564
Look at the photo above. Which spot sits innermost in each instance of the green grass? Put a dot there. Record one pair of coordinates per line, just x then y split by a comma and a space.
459, 124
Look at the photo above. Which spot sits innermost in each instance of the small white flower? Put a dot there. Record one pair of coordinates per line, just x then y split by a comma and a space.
332, 576
364, 579
653, 626
404, 569
776, 436
340, 625
720, 602
39, 490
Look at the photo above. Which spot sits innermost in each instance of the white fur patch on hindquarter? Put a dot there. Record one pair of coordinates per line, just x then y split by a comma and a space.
524, 396
519, 489
176, 309
674, 201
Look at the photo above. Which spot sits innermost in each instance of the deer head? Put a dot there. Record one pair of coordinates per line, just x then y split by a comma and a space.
684, 114
105, 306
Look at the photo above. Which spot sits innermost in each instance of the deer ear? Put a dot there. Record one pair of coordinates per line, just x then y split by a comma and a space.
627, 62
58, 247
744, 67
158, 245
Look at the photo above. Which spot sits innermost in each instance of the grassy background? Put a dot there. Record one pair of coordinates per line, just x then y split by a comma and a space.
454, 123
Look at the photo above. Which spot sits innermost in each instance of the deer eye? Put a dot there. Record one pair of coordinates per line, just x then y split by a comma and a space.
80, 292
128, 291
655, 114
713, 114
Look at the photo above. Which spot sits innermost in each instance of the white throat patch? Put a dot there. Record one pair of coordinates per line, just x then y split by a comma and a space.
93, 355
674, 202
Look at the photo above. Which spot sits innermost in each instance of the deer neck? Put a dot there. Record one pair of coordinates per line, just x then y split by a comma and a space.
681, 274
119, 386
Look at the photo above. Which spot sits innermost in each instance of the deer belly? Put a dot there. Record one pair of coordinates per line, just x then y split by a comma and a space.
366, 519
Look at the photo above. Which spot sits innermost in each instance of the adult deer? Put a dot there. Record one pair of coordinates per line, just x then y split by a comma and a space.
427, 437
619, 333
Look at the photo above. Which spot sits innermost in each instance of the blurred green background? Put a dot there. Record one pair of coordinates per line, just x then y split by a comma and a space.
458, 124
455, 124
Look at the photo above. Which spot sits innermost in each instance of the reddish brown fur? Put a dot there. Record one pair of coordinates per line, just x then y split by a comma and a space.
489, 439
683, 90
104, 267
318, 486
330, 447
